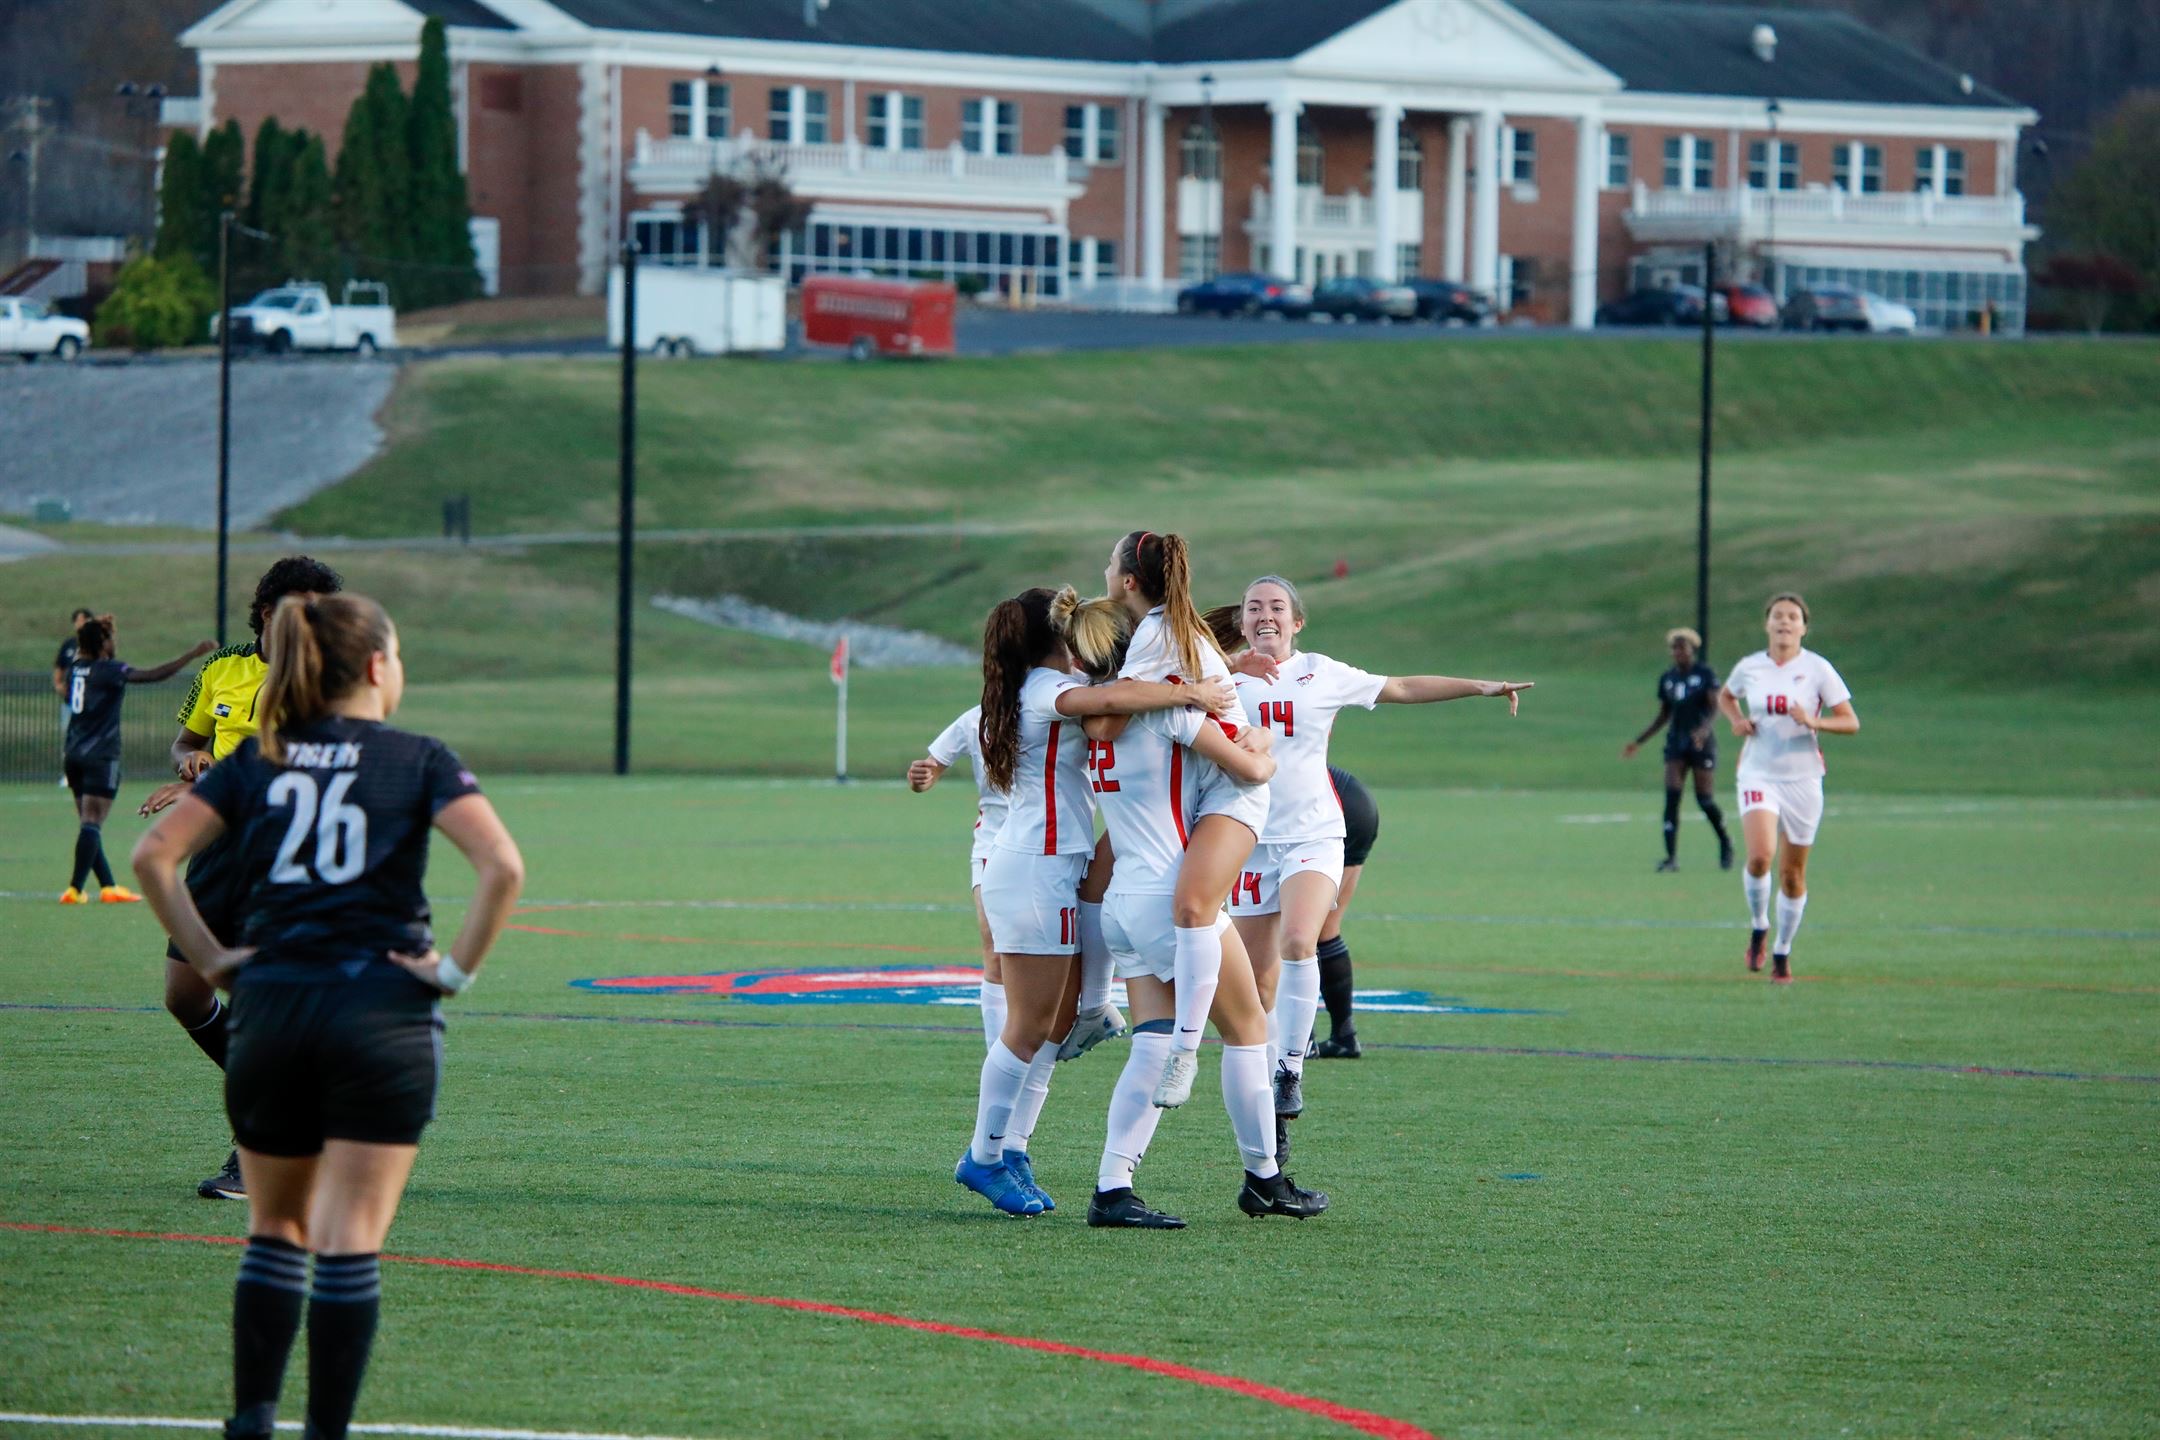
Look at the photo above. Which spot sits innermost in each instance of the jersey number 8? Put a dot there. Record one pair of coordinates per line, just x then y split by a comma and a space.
340, 830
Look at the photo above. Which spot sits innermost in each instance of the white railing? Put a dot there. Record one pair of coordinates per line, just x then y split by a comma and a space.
1756, 208
848, 157
1351, 212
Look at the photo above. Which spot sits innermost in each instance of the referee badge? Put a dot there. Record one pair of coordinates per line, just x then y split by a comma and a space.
222, 710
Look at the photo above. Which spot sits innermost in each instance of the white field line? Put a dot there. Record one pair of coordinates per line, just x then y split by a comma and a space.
175, 1422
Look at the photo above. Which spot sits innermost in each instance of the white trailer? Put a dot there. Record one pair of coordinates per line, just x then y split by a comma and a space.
683, 310
298, 315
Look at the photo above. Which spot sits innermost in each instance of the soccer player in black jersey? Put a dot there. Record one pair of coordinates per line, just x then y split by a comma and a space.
1687, 698
96, 681
336, 1040
1361, 824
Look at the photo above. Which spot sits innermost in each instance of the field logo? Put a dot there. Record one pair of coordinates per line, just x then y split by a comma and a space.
925, 985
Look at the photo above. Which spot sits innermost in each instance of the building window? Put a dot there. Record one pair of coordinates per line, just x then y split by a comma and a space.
896, 121
1768, 171
1091, 133
815, 129
1862, 169
1311, 159
1199, 257
682, 108
1690, 163
1200, 153
1521, 156
1409, 162
1409, 260
1619, 161
692, 101
990, 126
796, 115
1953, 166
1939, 169
719, 114
667, 238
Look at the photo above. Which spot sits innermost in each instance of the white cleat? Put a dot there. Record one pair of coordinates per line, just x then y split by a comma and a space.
1175, 1087
1090, 1029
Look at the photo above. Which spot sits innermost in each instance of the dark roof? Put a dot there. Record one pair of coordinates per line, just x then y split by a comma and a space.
470, 14
1256, 29
1684, 49
1047, 29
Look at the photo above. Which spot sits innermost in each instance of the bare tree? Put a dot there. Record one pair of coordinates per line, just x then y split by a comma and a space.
775, 209
718, 208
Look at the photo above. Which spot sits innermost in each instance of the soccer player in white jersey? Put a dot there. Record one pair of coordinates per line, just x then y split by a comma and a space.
1283, 897
1150, 575
1780, 699
1143, 777
1033, 749
963, 738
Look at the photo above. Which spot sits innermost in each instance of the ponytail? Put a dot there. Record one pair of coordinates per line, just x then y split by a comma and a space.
1018, 636
1227, 624
1162, 565
319, 650
1097, 632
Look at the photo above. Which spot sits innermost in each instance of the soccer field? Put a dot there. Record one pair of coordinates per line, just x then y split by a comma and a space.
1592, 1179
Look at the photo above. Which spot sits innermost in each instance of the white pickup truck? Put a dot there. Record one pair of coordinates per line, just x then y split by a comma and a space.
298, 315
28, 329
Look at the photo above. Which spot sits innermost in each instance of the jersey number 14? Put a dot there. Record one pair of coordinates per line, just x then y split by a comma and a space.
1277, 715
340, 829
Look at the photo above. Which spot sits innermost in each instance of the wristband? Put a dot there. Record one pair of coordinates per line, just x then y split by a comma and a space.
449, 978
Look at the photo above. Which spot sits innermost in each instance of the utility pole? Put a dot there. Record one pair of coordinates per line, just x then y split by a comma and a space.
626, 522
1702, 515
28, 112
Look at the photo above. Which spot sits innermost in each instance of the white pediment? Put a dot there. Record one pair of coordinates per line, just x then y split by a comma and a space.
1470, 42
247, 18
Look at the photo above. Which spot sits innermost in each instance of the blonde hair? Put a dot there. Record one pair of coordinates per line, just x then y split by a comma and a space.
319, 651
1096, 631
1682, 632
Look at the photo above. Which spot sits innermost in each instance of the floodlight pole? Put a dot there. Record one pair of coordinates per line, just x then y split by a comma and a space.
627, 521
224, 424
1702, 523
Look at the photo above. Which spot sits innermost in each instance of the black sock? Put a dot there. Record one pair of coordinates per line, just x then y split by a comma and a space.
211, 1033
1715, 816
99, 863
266, 1316
341, 1328
87, 851
1335, 985
1672, 823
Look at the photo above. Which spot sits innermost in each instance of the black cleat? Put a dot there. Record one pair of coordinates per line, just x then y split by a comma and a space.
1278, 1194
1123, 1210
1755, 949
1668, 866
1341, 1046
226, 1184
1780, 970
1724, 852
1289, 1092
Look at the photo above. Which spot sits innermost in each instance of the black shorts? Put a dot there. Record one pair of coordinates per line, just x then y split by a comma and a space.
1361, 817
1693, 757
213, 880
335, 1060
97, 776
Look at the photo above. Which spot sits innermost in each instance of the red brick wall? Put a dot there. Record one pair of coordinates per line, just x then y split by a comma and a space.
313, 97
1542, 230
497, 162
551, 180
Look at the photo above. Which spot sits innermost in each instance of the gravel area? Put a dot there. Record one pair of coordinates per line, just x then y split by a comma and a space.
136, 444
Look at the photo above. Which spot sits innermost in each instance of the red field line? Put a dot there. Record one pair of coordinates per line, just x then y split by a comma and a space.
1364, 1421
747, 944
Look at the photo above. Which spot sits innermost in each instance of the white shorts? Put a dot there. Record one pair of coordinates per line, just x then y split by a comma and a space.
1142, 934
1033, 902
1221, 795
1798, 804
976, 865
1259, 890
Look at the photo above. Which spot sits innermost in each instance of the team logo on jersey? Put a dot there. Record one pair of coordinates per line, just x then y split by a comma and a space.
221, 710
1306, 678
928, 985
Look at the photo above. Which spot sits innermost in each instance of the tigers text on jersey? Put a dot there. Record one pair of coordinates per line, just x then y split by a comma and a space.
1049, 812
95, 689
964, 737
1145, 787
221, 705
1782, 748
331, 849
1300, 705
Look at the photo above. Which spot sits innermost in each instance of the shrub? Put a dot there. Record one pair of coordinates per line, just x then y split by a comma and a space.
155, 303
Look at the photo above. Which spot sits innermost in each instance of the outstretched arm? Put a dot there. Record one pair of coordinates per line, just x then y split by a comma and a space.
171, 667
1433, 689
1664, 713
1135, 697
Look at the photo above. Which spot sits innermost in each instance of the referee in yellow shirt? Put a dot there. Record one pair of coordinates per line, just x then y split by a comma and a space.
218, 715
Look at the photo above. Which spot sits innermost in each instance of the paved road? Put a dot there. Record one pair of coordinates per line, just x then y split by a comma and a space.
136, 444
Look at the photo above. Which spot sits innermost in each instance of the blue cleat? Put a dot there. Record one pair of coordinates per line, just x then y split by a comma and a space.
1017, 1162
998, 1185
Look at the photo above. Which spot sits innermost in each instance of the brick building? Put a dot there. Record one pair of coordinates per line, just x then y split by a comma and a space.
1552, 153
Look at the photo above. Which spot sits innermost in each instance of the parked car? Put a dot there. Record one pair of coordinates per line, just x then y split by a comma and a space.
1748, 305
1669, 305
1839, 307
1247, 293
298, 315
28, 329
1357, 297
1449, 300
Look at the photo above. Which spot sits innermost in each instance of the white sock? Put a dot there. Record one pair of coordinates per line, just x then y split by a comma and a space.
1094, 960
993, 1012
1250, 1098
1297, 1001
1757, 889
1033, 1091
1789, 912
1002, 1075
1195, 969
1274, 1032
1133, 1115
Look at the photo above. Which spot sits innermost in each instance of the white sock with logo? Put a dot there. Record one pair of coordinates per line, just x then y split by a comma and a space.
1002, 1075
1757, 888
1250, 1098
1094, 960
1195, 968
1133, 1114
1297, 1001
993, 1012
1789, 911
1034, 1090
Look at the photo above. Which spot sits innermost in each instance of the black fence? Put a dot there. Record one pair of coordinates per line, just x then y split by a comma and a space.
32, 728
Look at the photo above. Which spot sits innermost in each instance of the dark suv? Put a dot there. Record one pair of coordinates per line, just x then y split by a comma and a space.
1242, 292
1672, 305
1448, 301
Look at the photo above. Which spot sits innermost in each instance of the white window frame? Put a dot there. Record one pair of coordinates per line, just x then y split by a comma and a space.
1932, 172
1618, 146
1854, 171
1200, 153
902, 131
1519, 147
991, 120
1409, 259
1779, 165
1698, 158
700, 110
1309, 146
1409, 161
1096, 135
799, 117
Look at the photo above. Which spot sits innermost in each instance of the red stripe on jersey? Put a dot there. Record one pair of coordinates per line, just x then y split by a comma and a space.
1177, 794
1331, 787
1050, 791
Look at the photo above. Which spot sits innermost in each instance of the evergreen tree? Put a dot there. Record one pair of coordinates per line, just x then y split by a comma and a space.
261, 263
224, 180
185, 225
263, 174
440, 213
374, 183
306, 227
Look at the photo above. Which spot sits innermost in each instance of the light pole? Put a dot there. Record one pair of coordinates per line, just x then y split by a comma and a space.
1777, 183
1210, 174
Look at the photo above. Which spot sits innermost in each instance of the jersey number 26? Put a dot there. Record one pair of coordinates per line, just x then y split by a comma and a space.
340, 829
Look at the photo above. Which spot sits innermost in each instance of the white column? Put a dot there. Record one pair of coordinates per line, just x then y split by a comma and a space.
1154, 185
1283, 201
1458, 147
1387, 144
1485, 206
1582, 294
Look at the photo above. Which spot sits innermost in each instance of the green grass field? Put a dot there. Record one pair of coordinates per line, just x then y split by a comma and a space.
1915, 1194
